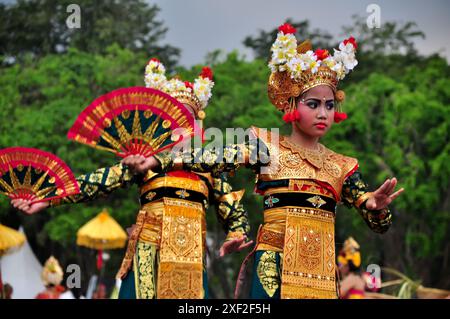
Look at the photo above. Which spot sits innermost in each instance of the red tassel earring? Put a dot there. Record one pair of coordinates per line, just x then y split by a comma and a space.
292, 116
339, 117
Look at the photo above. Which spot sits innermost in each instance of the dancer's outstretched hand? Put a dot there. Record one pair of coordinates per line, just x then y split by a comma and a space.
25, 206
140, 164
236, 244
384, 195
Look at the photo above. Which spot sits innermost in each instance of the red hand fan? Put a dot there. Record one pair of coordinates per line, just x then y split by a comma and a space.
135, 120
35, 175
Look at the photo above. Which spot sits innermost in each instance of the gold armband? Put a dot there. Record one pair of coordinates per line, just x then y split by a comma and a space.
232, 197
363, 198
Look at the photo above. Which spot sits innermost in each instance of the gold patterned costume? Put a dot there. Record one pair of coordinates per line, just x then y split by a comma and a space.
166, 249
165, 257
296, 241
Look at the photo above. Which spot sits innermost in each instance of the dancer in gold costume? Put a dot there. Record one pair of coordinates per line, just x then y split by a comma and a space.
301, 180
166, 252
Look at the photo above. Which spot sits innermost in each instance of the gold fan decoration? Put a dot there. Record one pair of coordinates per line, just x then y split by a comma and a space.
135, 120
35, 175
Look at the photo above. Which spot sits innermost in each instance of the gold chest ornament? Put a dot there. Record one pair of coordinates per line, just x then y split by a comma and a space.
293, 162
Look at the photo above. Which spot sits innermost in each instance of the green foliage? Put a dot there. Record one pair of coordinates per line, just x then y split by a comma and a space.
39, 27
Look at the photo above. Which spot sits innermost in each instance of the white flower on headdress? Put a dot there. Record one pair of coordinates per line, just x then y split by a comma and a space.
329, 62
286, 40
283, 49
339, 69
309, 61
314, 66
281, 56
155, 81
347, 48
202, 89
272, 66
175, 85
347, 58
155, 66
296, 66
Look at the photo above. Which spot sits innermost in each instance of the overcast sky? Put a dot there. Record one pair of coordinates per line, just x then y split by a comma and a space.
201, 26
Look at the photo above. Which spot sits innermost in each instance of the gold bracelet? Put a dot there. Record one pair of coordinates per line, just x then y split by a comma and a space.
234, 235
364, 197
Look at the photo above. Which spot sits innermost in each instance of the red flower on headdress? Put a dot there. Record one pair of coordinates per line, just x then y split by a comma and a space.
352, 41
154, 60
207, 73
287, 28
189, 85
321, 54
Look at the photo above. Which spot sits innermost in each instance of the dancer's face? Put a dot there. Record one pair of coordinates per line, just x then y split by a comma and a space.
316, 107
187, 141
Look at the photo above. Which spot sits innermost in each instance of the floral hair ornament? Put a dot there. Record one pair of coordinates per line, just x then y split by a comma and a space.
196, 94
296, 68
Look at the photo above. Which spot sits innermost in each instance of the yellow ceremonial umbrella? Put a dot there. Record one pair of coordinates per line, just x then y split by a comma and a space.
101, 232
10, 239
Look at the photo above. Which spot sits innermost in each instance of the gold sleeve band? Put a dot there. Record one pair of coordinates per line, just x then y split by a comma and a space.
234, 235
363, 198
232, 197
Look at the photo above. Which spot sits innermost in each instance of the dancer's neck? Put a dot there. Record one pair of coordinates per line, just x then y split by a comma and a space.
301, 139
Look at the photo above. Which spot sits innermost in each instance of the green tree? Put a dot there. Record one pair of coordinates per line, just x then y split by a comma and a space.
39, 27
399, 127
40, 103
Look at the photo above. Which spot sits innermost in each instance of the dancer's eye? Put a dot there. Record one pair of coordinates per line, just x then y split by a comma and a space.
330, 105
312, 104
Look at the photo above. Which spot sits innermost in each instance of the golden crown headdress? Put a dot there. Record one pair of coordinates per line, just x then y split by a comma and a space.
52, 274
296, 68
196, 94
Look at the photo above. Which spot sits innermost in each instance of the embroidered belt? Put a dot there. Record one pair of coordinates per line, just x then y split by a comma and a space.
304, 200
176, 182
272, 238
154, 195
